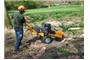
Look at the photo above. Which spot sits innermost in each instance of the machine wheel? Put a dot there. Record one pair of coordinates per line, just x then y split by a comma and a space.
48, 39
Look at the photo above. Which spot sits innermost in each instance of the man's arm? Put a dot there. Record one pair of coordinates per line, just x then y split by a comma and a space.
24, 21
27, 19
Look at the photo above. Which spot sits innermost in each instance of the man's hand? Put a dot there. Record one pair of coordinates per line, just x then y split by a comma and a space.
27, 18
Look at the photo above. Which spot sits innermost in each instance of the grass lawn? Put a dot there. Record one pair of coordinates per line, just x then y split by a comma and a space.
62, 8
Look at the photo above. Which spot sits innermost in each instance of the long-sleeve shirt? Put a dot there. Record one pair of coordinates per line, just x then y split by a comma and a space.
18, 20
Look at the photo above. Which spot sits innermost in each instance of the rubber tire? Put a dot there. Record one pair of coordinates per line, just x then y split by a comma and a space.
48, 40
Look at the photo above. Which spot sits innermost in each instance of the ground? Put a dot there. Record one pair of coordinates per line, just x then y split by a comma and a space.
72, 46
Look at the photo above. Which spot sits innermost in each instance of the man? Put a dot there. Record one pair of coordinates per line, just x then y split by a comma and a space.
18, 22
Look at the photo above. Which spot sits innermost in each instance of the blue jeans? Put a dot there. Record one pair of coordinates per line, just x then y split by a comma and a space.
19, 37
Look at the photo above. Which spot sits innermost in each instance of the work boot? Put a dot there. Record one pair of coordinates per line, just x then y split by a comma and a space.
18, 50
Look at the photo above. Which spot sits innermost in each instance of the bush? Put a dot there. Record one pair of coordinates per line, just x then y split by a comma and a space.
12, 5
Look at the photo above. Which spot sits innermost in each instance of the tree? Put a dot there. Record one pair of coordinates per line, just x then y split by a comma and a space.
7, 19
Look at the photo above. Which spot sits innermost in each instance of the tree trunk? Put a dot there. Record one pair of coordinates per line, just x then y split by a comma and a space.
7, 19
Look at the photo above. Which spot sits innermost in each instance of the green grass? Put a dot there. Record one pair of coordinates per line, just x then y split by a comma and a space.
76, 8
51, 10
57, 12
64, 52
